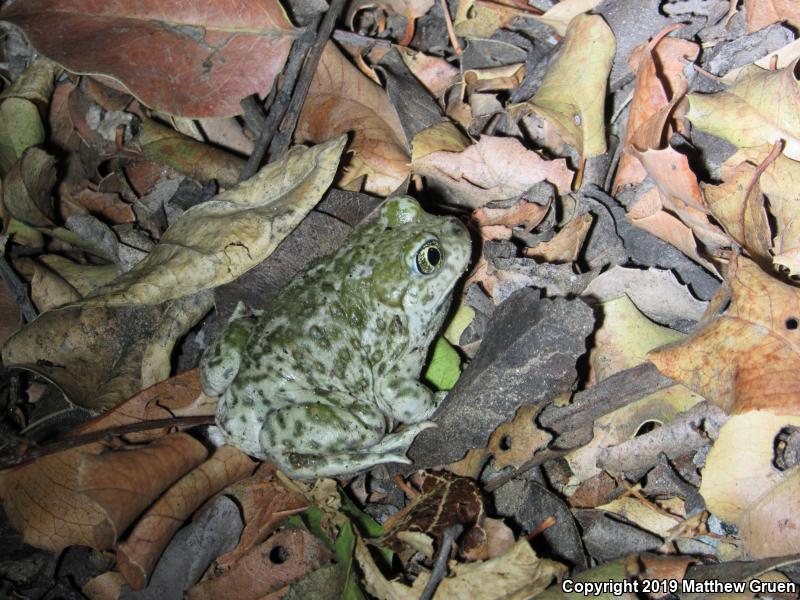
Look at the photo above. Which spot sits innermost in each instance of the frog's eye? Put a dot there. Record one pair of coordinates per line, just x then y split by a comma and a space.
429, 257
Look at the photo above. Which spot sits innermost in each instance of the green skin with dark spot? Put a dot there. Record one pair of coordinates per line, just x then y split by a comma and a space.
318, 383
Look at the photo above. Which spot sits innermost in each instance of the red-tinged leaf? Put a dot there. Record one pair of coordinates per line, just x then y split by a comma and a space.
195, 59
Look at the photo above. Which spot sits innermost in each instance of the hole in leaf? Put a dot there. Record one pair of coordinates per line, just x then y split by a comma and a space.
278, 555
791, 323
505, 443
647, 427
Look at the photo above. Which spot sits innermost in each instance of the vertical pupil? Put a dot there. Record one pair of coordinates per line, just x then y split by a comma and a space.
434, 256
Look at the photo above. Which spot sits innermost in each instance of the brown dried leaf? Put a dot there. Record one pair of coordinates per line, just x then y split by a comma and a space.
499, 223
199, 161
659, 82
566, 245
762, 13
100, 356
435, 73
444, 500
196, 60
89, 496
342, 100
138, 554
746, 358
295, 552
264, 503
493, 169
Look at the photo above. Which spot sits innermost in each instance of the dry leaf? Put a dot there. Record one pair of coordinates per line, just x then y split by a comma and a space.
442, 137
738, 478
282, 559
264, 503
195, 60
493, 169
573, 93
199, 161
746, 358
499, 223
659, 82
100, 356
559, 16
511, 444
479, 19
89, 496
214, 242
759, 109
434, 72
622, 342
762, 13
342, 100
138, 554
20, 123
566, 245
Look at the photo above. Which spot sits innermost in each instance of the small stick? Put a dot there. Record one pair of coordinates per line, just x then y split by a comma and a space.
283, 137
281, 100
439, 570
451, 32
102, 434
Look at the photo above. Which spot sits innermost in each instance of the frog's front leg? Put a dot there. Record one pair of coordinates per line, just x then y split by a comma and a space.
220, 362
321, 440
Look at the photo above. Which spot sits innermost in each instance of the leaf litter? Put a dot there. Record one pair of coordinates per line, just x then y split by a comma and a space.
619, 363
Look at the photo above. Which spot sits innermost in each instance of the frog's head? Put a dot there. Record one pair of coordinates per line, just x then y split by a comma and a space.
415, 260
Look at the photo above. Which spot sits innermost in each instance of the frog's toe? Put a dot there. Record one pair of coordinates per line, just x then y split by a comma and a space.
402, 439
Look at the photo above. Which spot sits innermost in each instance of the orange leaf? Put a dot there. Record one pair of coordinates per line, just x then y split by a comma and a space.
89, 496
762, 13
746, 359
137, 555
342, 100
195, 59
282, 559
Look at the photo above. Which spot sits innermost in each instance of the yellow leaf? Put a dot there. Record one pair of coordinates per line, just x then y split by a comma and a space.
573, 93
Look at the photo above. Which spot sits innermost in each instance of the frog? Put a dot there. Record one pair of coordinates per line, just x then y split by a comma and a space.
326, 381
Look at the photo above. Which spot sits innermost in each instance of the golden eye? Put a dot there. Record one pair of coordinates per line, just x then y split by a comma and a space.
429, 257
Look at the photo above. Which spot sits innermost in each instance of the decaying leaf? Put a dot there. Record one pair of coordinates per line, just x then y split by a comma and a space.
215, 242
622, 342
758, 109
745, 358
742, 484
264, 503
566, 245
100, 356
200, 161
342, 100
444, 500
269, 567
138, 554
89, 496
559, 16
492, 169
515, 575
572, 96
761, 13
20, 122
198, 62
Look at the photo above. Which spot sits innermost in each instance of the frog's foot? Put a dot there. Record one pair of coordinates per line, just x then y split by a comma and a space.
400, 441
311, 466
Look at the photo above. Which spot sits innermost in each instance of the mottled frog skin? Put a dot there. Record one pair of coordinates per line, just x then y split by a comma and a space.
318, 382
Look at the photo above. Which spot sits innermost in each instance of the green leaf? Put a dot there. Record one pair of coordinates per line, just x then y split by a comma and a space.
445, 366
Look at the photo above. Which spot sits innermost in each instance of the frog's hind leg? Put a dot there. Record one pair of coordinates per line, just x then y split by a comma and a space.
319, 440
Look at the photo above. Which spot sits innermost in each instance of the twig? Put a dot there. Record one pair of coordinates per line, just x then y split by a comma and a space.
688, 432
102, 434
282, 99
349, 37
607, 396
283, 137
439, 570
18, 290
451, 32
